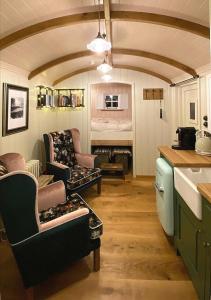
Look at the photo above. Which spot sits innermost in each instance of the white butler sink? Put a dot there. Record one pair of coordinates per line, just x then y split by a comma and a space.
185, 182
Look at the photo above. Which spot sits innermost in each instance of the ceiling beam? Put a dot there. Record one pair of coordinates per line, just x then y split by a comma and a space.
58, 61
107, 13
146, 71
163, 20
127, 67
37, 28
157, 57
71, 74
139, 53
93, 16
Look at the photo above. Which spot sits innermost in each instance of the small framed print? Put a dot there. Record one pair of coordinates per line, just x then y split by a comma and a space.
15, 109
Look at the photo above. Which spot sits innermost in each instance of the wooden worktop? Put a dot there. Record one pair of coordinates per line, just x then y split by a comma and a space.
205, 190
185, 158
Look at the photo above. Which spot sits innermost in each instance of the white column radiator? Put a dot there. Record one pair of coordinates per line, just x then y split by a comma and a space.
33, 166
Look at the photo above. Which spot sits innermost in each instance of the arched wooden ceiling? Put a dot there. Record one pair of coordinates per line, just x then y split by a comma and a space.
133, 52
129, 31
126, 67
129, 16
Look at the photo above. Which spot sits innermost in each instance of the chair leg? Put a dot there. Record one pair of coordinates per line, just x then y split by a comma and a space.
96, 257
30, 293
99, 186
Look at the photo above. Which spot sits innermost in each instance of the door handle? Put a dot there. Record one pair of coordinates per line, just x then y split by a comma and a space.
206, 244
159, 188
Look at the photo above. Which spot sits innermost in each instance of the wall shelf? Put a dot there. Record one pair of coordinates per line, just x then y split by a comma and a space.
59, 98
61, 109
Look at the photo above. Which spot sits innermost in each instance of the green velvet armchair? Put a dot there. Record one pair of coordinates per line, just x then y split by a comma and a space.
41, 249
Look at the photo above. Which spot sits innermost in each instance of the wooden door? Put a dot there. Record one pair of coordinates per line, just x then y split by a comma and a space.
190, 106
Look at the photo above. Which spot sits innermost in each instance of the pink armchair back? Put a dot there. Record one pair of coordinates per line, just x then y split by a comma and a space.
76, 140
13, 162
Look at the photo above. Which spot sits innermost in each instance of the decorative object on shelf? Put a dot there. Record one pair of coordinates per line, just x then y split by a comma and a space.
48, 97
99, 44
15, 109
45, 96
153, 94
70, 97
104, 67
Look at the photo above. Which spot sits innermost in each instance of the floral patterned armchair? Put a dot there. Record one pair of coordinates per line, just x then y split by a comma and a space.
66, 162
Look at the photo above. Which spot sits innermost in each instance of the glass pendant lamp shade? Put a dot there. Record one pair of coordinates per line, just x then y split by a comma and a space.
104, 67
99, 44
106, 77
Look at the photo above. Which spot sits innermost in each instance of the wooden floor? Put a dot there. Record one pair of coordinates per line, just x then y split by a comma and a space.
137, 260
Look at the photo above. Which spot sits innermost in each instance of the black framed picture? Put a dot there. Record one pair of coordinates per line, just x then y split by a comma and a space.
15, 109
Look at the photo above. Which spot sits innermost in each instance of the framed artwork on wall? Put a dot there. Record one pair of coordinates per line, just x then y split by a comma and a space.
15, 109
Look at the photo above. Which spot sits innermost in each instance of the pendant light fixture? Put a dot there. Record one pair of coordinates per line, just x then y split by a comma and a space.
104, 67
99, 44
106, 77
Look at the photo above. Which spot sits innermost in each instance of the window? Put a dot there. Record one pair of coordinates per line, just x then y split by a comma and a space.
192, 111
111, 101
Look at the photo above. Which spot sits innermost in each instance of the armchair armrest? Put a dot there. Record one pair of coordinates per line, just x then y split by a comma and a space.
63, 219
60, 171
86, 160
51, 195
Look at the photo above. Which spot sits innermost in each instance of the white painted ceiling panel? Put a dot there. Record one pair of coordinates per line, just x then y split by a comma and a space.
192, 10
32, 52
70, 66
16, 14
156, 66
39, 49
183, 46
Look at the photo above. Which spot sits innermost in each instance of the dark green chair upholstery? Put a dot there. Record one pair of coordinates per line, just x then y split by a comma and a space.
41, 249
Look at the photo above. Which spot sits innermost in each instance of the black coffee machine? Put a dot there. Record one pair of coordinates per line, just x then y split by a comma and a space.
186, 138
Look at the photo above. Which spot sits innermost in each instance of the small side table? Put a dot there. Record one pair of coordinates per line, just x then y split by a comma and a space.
44, 180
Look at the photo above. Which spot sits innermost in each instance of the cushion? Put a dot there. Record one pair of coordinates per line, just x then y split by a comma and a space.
3, 169
59, 210
63, 148
81, 175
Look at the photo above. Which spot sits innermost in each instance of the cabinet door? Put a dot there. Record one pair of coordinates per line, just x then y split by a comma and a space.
206, 213
207, 277
189, 241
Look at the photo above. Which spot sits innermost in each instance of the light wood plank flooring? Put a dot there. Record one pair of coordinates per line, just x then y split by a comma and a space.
137, 260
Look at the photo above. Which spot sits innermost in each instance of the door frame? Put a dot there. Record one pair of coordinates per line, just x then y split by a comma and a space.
181, 90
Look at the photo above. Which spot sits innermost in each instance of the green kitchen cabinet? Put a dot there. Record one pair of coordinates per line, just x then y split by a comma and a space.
190, 241
206, 222
207, 278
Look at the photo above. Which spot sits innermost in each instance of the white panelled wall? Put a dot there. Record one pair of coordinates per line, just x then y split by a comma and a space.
29, 142
150, 130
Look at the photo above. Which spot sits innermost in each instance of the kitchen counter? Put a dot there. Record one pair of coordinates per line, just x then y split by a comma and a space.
205, 190
185, 158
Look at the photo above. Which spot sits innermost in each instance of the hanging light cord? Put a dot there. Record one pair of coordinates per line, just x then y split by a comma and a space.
99, 16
